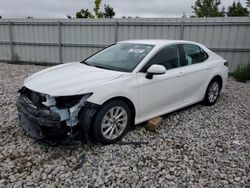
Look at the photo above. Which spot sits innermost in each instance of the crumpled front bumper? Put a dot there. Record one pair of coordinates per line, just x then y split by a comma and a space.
45, 125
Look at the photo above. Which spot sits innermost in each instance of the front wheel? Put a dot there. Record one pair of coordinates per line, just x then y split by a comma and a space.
111, 122
212, 93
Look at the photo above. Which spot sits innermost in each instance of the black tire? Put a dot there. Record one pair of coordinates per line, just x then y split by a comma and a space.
97, 123
85, 120
206, 100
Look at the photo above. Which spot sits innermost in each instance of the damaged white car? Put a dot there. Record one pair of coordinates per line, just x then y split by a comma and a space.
124, 84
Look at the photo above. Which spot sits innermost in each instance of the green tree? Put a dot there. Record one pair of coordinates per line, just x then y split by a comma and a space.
108, 12
0, 16
208, 8
84, 13
248, 3
236, 9
98, 13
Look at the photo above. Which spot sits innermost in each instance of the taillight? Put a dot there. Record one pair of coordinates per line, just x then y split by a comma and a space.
226, 64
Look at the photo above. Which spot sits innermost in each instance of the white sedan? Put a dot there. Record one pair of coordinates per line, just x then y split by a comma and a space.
124, 84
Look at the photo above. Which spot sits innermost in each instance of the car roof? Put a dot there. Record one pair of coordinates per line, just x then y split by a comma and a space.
157, 42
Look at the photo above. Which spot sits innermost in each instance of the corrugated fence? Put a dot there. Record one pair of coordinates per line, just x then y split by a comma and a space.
54, 41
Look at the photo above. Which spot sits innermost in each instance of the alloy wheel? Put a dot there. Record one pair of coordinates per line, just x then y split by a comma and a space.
213, 92
114, 122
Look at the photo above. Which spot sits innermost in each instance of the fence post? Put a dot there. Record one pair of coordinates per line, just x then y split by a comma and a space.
60, 41
11, 42
116, 31
182, 29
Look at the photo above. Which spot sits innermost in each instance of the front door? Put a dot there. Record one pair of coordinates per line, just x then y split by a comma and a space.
164, 92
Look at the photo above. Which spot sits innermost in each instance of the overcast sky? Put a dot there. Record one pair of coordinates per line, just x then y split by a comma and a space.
62, 8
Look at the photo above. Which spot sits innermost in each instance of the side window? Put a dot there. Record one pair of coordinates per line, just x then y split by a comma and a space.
194, 54
169, 57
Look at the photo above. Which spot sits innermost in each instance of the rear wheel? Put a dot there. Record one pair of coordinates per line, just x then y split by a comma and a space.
212, 93
111, 122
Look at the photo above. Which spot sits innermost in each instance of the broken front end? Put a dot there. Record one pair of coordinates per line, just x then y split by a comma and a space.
55, 120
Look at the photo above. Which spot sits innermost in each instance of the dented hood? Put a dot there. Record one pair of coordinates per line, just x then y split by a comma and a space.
69, 79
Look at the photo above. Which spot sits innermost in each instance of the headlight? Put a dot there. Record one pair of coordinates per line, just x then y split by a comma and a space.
70, 101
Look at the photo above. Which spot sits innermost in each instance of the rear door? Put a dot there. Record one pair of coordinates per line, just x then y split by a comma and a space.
195, 72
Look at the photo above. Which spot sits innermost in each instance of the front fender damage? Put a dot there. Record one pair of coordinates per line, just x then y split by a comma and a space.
53, 125
70, 115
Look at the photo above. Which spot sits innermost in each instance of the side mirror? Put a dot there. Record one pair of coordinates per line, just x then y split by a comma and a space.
155, 70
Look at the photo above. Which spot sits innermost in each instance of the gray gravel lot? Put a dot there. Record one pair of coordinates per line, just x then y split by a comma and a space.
194, 147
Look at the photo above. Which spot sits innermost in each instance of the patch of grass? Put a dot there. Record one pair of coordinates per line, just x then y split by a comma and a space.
242, 74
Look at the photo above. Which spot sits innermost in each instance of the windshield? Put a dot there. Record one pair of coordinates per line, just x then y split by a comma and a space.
121, 57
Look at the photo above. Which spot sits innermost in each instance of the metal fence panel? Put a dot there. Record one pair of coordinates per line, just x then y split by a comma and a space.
87, 34
36, 34
4, 33
58, 41
39, 54
77, 53
5, 53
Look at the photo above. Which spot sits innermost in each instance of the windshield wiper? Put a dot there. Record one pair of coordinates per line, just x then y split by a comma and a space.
102, 67
97, 65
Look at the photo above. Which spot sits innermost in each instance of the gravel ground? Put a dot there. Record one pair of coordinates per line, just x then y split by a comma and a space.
195, 147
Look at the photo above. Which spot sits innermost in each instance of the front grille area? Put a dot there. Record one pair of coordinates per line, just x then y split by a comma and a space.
42, 124
35, 97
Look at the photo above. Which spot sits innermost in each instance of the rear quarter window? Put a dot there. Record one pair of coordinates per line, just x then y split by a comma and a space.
204, 55
194, 54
